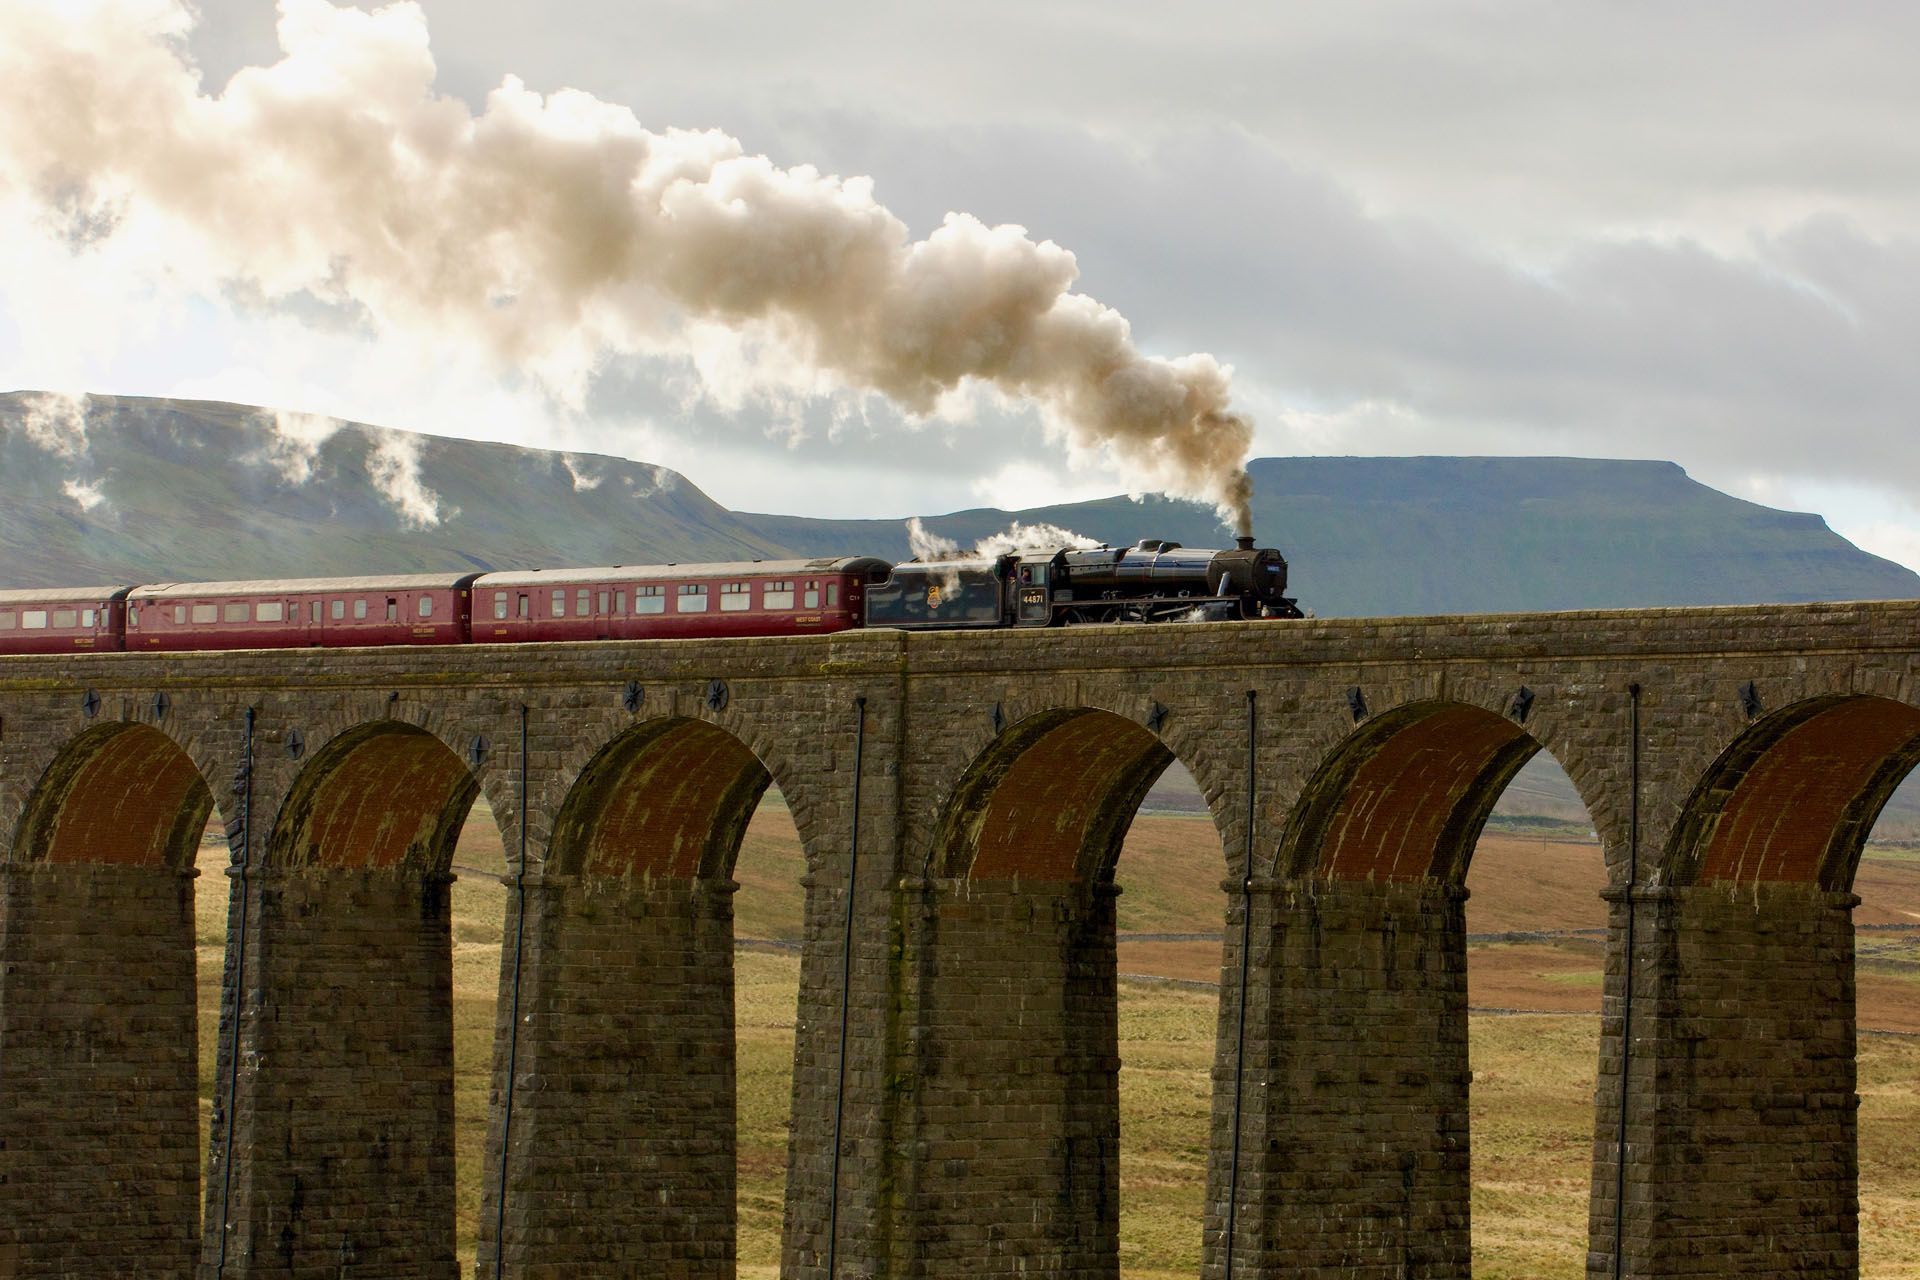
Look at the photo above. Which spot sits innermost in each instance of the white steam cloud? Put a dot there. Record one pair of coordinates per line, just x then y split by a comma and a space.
393, 464
555, 230
586, 474
928, 545
1032, 539
294, 445
658, 480
1016, 539
55, 422
85, 496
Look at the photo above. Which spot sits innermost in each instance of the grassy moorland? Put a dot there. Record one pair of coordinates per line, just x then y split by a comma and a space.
1532, 1060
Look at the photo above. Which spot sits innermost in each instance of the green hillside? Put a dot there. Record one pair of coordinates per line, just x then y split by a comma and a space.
195, 490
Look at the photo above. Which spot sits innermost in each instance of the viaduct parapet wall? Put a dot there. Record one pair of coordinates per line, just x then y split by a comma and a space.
962, 801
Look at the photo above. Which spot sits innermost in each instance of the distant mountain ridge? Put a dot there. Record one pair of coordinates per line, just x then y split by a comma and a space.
124, 489
1387, 536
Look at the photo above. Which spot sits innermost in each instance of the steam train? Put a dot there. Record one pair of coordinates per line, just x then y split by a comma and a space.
1152, 581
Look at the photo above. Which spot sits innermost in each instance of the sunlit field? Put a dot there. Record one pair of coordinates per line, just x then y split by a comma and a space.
1533, 1041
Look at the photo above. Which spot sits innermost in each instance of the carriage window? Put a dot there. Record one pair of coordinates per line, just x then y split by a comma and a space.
133, 615
8, 621
86, 617
560, 604
234, 612
313, 611
179, 615
778, 595
735, 596
649, 599
583, 603
526, 606
393, 609
65, 617
338, 609
812, 599
206, 613
605, 596
833, 594
693, 597
33, 620
500, 604
620, 601
360, 610
272, 612
426, 606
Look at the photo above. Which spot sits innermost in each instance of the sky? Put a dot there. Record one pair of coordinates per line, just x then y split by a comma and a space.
1680, 231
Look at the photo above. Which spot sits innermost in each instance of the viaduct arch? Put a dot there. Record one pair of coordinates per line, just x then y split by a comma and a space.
960, 800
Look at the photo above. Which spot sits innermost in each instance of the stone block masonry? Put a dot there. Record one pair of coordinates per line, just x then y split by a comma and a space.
954, 1105
98, 1078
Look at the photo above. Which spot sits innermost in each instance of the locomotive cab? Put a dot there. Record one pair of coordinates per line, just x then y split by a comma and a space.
1033, 592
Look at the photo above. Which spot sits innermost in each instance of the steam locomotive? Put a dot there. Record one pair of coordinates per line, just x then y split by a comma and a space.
1152, 581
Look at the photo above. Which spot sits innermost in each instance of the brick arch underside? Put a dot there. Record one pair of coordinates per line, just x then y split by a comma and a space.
1796, 797
1051, 800
378, 798
1405, 798
122, 795
669, 800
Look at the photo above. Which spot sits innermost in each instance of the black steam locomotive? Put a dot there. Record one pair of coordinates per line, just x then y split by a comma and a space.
1152, 581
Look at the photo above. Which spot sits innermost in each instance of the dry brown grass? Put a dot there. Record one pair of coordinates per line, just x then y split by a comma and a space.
1534, 1075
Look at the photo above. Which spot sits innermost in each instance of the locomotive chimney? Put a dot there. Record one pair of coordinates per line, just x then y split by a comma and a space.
1244, 542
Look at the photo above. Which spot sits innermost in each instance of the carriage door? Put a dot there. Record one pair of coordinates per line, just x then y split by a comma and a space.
1034, 608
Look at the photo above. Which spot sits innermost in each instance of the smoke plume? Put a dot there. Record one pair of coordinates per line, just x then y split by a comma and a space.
556, 231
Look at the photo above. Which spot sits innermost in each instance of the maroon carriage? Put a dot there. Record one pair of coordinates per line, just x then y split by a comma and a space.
62, 620
664, 602
328, 613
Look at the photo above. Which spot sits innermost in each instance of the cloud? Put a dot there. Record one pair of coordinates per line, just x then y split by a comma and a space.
1899, 542
555, 230
1361, 332
1429, 228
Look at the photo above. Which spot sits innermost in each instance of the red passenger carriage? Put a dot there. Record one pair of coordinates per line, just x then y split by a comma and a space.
62, 620
665, 602
329, 613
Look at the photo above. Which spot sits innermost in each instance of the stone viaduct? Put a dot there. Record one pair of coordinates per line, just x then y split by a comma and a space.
961, 800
